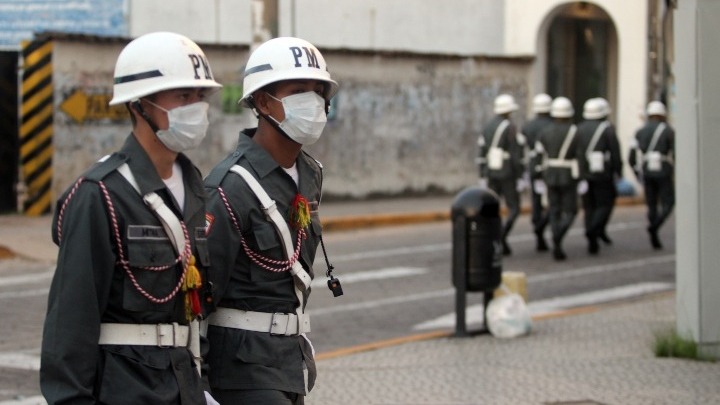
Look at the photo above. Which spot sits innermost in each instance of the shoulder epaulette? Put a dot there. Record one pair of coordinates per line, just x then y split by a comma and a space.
217, 174
105, 166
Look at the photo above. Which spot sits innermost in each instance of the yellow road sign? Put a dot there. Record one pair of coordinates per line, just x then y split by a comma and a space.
81, 107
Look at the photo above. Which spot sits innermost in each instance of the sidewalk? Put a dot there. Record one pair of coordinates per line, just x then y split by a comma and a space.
599, 355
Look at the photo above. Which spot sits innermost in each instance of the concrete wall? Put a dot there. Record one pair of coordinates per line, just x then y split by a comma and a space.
404, 123
697, 108
88, 67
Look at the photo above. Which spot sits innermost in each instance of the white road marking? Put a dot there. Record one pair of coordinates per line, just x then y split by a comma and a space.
34, 400
381, 274
21, 360
474, 313
24, 293
27, 278
608, 268
439, 247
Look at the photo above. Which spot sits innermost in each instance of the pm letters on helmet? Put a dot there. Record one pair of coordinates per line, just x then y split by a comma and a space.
199, 61
311, 58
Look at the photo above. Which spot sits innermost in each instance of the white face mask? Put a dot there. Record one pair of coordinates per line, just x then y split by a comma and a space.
187, 126
305, 117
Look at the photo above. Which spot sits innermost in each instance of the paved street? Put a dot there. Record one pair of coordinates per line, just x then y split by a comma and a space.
386, 340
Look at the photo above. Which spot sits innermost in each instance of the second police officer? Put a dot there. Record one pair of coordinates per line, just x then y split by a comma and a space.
264, 229
501, 161
600, 163
556, 150
531, 130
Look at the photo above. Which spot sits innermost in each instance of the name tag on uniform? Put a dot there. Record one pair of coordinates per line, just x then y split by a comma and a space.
146, 232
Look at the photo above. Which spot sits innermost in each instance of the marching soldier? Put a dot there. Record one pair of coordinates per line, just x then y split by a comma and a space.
501, 161
531, 130
264, 230
652, 156
600, 166
556, 149
131, 276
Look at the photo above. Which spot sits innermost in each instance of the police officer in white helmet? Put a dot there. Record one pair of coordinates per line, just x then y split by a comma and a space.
531, 130
131, 277
556, 149
600, 166
501, 160
652, 157
264, 229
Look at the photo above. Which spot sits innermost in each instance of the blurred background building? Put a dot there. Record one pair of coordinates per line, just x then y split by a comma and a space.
417, 79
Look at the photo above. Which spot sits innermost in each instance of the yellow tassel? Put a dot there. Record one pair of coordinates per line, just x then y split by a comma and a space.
192, 283
192, 278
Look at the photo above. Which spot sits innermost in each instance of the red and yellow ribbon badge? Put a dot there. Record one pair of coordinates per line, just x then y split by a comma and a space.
300, 212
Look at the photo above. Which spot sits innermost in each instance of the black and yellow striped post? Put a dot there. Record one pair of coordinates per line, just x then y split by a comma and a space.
36, 128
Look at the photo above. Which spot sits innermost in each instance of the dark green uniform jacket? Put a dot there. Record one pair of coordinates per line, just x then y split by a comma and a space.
513, 165
607, 144
551, 139
241, 359
91, 287
531, 130
665, 145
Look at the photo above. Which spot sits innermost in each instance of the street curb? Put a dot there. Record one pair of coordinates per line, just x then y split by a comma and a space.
350, 222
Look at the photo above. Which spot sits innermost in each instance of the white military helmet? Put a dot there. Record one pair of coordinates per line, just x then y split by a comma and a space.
541, 103
160, 61
504, 103
594, 109
561, 108
606, 106
285, 58
656, 108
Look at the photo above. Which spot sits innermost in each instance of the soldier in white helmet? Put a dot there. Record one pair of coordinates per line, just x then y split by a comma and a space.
600, 166
501, 161
131, 276
556, 150
531, 130
264, 230
652, 157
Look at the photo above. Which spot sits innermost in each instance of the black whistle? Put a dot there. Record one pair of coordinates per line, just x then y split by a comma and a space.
335, 287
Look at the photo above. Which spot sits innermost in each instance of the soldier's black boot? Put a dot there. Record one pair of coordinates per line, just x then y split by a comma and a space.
506, 248
593, 246
654, 238
541, 244
558, 253
603, 237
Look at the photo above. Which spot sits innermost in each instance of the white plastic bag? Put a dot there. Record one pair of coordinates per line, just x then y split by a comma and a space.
508, 316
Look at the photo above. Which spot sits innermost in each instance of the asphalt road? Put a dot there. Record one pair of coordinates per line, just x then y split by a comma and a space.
396, 282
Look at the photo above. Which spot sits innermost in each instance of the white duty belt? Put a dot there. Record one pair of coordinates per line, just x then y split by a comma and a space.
272, 323
160, 335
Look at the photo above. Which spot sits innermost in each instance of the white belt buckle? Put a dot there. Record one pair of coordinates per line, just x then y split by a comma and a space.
163, 330
280, 324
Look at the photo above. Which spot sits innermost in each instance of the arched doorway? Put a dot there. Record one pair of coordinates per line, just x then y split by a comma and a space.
580, 43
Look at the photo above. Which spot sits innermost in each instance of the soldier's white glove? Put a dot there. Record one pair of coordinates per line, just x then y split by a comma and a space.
482, 182
210, 400
521, 185
539, 186
582, 187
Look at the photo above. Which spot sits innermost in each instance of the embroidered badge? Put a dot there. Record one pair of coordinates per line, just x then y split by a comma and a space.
209, 220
